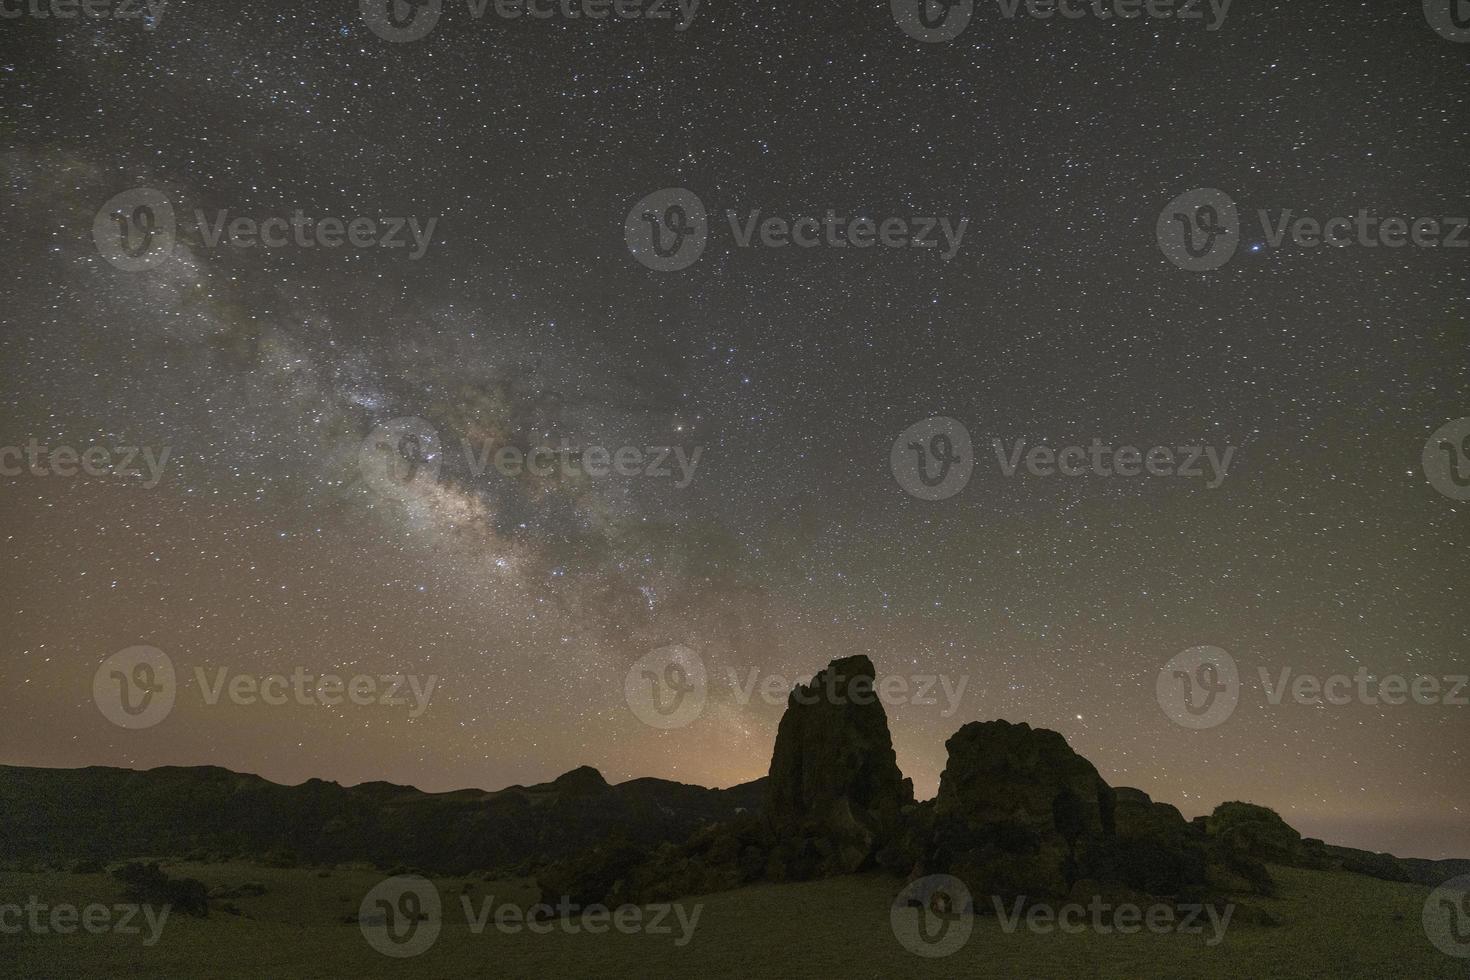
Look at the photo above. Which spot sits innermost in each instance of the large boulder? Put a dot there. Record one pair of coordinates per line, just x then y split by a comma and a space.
1154, 851
835, 794
1016, 811
1000, 773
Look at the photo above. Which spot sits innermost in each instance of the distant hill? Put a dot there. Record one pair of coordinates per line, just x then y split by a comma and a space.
1419, 871
107, 813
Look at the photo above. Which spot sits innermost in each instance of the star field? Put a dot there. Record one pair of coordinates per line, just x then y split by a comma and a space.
527, 321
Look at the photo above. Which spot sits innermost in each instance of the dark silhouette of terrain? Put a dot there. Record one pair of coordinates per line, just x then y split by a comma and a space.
1017, 813
108, 814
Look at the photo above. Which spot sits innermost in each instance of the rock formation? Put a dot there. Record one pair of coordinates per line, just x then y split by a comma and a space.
1137, 815
834, 794
1017, 812
1000, 773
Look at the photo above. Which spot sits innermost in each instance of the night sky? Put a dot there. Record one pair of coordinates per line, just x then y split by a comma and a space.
266, 546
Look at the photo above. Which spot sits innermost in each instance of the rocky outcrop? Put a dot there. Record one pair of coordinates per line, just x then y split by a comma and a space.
834, 794
1137, 815
834, 800
1154, 850
1017, 811
1255, 830
1000, 773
